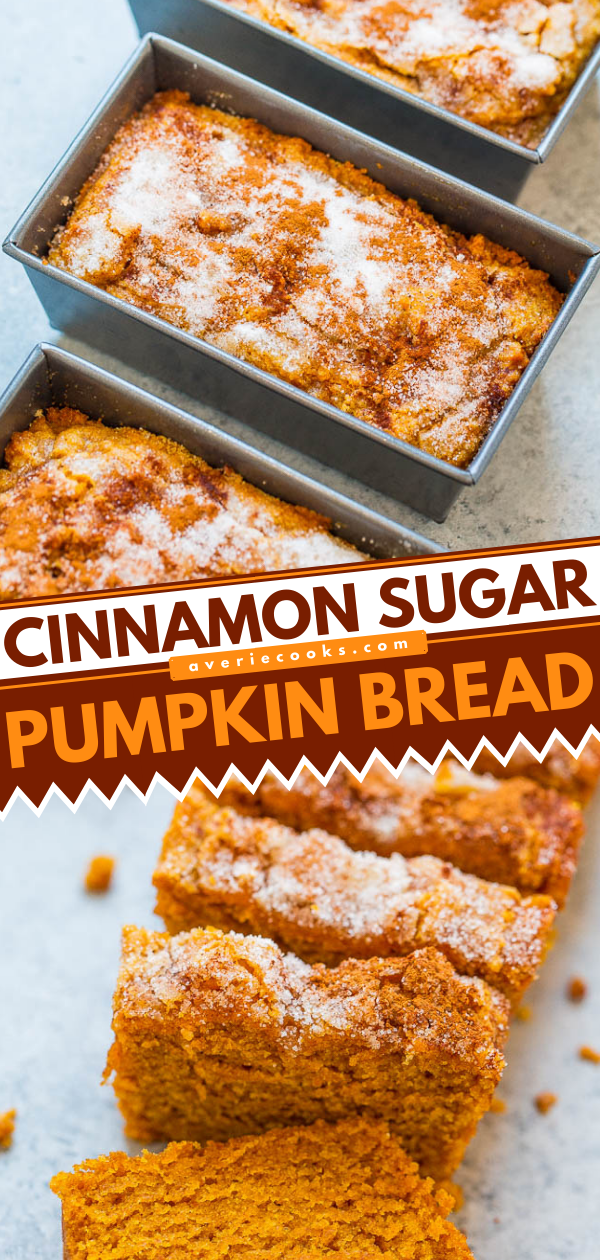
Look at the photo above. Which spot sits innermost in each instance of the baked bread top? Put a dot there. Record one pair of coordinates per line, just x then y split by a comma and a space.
506, 64
309, 269
86, 507
207, 977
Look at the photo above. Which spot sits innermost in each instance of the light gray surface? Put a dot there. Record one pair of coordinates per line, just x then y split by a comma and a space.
535, 1176
531, 1181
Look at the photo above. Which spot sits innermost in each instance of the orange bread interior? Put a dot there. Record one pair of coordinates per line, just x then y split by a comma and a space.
301, 1193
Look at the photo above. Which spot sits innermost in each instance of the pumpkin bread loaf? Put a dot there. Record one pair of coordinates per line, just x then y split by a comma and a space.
307, 268
219, 1035
574, 776
506, 65
85, 506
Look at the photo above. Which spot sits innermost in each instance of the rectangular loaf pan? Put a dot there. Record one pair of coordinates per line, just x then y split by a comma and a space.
52, 377
357, 448
354, 96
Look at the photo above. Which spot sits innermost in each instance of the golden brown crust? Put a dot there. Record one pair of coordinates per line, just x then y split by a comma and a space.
575, 776
300, 1193
511, 831
311, 270
507, 66
313, 895
84, 506
219, 1034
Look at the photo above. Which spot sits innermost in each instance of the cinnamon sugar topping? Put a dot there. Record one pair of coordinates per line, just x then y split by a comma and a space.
88, 507
319, 898
507, 65
310, 270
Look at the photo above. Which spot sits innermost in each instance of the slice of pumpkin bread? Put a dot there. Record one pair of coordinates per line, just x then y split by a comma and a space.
319, 898
577, 777
510, 830
218, 1035
344, 1189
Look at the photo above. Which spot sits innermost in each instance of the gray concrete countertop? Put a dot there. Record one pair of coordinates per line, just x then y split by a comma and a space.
530, 1181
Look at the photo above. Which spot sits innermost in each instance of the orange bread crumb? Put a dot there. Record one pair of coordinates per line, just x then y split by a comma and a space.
545, 1101
589, 1054
576, 989
218, 1035
456, 1194
317, 897
513, 831
98, 876
299, 1193
7, 1128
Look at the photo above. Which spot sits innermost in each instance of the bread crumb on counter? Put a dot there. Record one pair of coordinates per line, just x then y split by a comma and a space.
7, 1128
576, 989
545, 1101
99, 874
589, 1054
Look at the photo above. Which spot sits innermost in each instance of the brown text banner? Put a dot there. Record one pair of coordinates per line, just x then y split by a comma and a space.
139, 712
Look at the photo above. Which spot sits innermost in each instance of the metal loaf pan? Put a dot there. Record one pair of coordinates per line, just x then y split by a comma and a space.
52, 377
356, 97
359, 449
